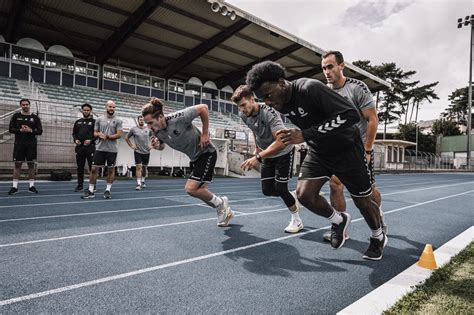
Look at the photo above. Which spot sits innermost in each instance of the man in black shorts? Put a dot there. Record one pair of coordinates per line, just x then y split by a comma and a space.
26, 126
178, 131
141, 146
108, 130
83, 135
276, 158
328, 125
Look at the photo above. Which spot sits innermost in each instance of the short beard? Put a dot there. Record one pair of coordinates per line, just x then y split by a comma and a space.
111, 113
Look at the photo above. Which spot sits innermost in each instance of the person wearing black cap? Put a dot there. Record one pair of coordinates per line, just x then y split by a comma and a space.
83, 135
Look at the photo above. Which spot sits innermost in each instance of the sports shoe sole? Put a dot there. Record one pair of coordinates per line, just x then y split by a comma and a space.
328, 239
377, 258
89, 197
11, 194
344, 231
300, 227
229, 217
32, 192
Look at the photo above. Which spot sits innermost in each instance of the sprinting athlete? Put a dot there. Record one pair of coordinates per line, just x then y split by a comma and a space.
327, 123
358, 94
275, 157
177, 131
141, 146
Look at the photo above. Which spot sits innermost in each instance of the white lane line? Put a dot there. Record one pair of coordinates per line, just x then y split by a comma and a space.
129, 229
131, 190
125, 210
386, 295
152, 208
190, 260
137, 198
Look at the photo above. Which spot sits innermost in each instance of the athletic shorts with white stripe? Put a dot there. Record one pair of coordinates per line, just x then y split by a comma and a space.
279, 168
203, 167
350, 166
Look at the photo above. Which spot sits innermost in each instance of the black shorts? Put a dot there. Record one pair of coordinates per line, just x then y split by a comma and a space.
203, 167
349, 166
141, 159
371, 168
101, 157
279, 168
24, 152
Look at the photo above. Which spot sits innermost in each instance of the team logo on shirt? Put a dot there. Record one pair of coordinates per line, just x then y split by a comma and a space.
301, 112
330, 125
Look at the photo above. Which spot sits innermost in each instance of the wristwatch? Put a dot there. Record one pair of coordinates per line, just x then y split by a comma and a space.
258, 157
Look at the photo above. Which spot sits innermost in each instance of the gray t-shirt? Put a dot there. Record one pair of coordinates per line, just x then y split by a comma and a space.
358, 94
142, 138
263, 125
182, 135
108, 126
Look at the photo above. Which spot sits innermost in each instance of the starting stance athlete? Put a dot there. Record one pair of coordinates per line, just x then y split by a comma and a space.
328, 125
275, 157
358, 94
178, 131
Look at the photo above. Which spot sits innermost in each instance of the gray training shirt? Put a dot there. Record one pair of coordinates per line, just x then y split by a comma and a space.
182, 135
263, 125
142, 139
359, 95
109, 126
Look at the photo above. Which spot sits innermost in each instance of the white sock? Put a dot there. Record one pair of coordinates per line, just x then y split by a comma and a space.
109, 187
139, 181
377, 234
15, 183
91, 188
335, 217
381, 212
215, 201
295, 215
32, 182
143, 179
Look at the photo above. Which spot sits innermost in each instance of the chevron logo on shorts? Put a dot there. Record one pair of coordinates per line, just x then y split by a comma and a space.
330, 125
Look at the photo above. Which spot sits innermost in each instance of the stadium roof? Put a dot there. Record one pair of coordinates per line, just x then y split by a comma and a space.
168, 38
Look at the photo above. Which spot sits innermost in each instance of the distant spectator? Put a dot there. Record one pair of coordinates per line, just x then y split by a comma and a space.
26, 126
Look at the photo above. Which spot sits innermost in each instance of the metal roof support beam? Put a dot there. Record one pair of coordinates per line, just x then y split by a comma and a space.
236, 75
306, 74
204, 47
127, 29
14, 21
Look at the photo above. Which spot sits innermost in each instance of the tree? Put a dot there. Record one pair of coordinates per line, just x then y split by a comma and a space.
445, 128
457, 109
426, 143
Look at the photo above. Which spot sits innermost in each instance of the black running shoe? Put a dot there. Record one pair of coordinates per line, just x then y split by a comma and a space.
338, 231
375, 250
88, 195
32, 190
13, 191
78, 188
107, 194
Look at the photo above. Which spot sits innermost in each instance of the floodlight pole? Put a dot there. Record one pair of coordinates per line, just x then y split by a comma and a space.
469, 21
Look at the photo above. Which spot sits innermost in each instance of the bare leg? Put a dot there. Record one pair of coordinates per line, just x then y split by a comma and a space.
376, 197
93, 175
17, 170
110, 175
337, 194
199, 191
138, 172
369, 210
307, 191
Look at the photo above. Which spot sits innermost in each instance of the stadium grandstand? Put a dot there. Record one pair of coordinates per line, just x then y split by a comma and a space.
61, 54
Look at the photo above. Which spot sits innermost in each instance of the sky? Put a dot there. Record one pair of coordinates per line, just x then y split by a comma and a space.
417, 35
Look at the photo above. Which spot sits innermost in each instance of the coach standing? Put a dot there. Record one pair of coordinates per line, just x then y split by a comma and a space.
26, 126
83, 135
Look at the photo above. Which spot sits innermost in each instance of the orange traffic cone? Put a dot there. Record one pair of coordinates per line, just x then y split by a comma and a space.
427, 259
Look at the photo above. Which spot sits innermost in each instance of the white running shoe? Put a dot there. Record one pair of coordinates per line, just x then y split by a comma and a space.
295, 226
224, 213
139, 187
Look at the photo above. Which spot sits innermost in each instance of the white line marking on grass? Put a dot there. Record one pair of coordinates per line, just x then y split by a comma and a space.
386, 295
190, 260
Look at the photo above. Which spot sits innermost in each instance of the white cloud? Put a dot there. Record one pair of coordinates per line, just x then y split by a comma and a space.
417, 35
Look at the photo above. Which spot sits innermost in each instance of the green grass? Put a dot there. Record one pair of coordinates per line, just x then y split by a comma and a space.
449, 290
